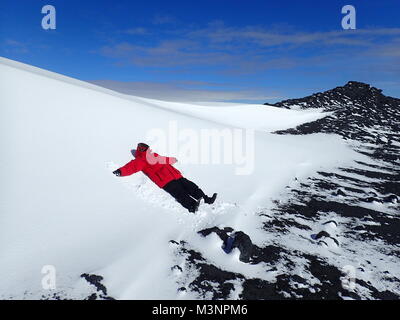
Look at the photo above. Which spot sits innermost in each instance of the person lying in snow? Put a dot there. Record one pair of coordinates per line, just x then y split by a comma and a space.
160, 170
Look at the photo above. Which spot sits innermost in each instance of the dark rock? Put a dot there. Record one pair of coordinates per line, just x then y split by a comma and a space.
340, 192
95, 280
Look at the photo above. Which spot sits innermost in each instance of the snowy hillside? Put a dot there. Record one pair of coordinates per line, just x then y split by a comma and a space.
124, 238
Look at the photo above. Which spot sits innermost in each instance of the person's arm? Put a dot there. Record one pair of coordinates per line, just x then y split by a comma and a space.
130, 168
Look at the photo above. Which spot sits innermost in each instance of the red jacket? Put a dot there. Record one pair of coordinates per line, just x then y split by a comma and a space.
158, 168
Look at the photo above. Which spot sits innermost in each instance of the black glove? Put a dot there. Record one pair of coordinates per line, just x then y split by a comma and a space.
117, 172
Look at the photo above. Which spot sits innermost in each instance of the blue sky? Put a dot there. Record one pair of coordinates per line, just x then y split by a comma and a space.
236, 50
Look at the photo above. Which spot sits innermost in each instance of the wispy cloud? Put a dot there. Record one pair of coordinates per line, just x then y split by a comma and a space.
187, 91
251, 49
264, 38
169, 53
160, 19
137, 31
388, 49
14, 46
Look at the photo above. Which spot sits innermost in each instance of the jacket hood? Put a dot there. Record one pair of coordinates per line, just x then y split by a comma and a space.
140, 154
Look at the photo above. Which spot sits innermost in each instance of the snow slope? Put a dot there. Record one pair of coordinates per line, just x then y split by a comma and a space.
61, 206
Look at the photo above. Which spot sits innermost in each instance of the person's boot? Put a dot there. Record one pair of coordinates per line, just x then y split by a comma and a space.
210, 200
195, 207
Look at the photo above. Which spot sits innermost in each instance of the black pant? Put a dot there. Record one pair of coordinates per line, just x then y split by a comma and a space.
186, 192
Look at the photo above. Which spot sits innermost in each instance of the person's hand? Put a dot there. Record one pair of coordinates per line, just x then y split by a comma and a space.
117, 172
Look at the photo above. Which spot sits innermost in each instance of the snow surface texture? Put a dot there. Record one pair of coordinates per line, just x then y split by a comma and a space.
124, 238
